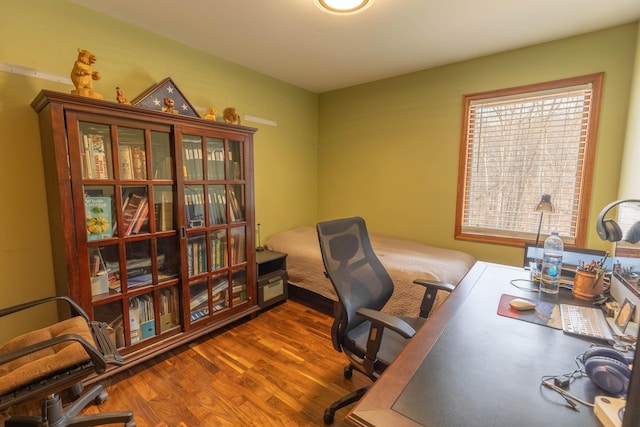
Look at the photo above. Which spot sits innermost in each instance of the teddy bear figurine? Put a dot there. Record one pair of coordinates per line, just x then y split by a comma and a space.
169, 105
82, 75
230, 115
120, 96
211, 114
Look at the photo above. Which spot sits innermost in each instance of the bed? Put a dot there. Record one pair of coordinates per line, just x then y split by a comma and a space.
404, 260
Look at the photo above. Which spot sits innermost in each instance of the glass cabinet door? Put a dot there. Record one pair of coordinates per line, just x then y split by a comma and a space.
133, 249
214, 223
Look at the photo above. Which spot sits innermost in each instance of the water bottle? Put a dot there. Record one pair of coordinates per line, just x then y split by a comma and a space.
551, 264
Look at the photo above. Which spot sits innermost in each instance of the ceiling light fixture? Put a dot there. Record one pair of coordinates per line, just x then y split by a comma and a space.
343, 7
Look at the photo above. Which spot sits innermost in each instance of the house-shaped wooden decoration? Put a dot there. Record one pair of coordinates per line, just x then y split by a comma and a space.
165, 96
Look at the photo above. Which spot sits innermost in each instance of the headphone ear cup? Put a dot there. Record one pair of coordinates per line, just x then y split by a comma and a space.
609, 374
604, 352
612, 230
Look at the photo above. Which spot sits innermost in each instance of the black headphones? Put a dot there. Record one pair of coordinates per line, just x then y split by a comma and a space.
608, 369
608, 229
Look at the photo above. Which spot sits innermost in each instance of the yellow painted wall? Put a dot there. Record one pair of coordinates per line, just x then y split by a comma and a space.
388, 150
630, 172
44, 35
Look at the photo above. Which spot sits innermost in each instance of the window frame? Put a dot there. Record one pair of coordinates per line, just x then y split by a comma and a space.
586, 173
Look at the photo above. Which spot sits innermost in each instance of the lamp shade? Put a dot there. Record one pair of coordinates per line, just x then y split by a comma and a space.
545, 205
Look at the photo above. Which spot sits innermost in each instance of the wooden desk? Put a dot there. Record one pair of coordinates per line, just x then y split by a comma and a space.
471, 366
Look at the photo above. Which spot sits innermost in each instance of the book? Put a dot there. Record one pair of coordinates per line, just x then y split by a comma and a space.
97, 156
131, 210
164, 215
199, 299
134, 324
142, 219
98, 217
126, 166
138, 162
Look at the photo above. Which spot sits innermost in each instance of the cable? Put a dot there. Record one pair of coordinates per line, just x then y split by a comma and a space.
566, 395
513, 283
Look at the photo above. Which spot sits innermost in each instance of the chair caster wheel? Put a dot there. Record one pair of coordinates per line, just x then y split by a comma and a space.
131, 423
101, 398
328, 416
348, 372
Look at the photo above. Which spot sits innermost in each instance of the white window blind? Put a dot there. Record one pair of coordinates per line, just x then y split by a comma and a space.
518, 147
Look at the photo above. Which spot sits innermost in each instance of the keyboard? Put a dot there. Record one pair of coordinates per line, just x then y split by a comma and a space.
585, 321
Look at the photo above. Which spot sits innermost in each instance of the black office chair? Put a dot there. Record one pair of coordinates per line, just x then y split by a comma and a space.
42, 363
363, 287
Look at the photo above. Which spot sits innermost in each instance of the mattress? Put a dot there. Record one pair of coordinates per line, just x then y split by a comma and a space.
404, 260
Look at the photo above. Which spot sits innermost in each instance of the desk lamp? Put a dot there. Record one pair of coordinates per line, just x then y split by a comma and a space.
544, 205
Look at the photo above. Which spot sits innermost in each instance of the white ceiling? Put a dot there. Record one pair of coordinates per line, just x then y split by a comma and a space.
292, 40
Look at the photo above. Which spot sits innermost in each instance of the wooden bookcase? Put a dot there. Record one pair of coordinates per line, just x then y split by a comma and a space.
152, 219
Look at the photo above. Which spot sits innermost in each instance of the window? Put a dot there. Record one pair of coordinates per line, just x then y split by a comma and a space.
518, 144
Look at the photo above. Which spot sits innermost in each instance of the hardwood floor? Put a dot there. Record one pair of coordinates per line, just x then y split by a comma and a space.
278, 369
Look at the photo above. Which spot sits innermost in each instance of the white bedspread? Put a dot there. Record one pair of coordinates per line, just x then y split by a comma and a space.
404, 260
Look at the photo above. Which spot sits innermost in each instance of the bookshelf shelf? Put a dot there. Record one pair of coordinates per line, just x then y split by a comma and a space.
152, 219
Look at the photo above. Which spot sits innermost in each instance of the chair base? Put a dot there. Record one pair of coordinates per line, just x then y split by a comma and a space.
350, 398
53, 415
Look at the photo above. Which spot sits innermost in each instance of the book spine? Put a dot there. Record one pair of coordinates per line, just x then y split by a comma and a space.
126, 167
138, 160
98, 157
87, 163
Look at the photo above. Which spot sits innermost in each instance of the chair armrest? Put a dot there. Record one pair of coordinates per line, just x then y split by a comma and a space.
443, 286
379, 322
76, 310
433, 286
387, 321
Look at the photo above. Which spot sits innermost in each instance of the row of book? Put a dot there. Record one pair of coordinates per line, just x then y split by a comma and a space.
199, 304
94, 157
235, 169
239, 292
215, 163
238, 248
139, 273
192, 160
217, 205
197, 253
169, 308
196, 256
217, 202
135, 213
141, 318
133, 162
100, 218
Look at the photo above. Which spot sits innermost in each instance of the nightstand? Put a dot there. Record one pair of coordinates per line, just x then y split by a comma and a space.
272, 277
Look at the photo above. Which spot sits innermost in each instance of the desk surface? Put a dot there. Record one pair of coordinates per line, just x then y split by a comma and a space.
471, 366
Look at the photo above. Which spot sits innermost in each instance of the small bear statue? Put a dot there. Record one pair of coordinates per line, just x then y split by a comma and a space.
82, 75
211, 114
230, 115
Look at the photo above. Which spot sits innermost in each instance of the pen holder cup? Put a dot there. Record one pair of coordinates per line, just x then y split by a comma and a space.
585, 286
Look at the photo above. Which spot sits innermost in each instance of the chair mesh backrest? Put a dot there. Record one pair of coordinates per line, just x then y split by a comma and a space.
357, 275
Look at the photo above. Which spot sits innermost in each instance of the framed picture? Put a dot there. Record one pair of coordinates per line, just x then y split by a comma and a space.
166, 97
625, 314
